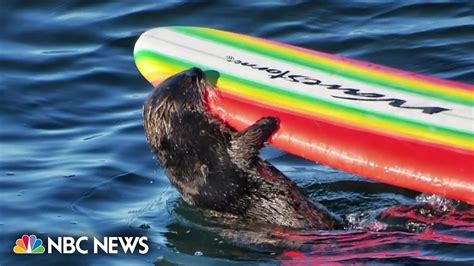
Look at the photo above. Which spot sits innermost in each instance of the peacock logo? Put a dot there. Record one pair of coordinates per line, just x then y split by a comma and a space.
29, 244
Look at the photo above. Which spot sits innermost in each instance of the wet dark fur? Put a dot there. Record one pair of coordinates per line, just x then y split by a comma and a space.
218, 169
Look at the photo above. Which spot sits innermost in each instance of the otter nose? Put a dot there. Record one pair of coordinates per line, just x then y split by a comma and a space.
195, 73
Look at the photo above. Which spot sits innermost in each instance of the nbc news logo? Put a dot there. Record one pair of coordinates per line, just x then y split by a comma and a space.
30, 244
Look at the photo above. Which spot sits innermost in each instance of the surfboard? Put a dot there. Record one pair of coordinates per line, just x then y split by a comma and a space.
388, 125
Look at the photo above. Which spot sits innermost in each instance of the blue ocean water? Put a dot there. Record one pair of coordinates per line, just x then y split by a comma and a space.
74, 160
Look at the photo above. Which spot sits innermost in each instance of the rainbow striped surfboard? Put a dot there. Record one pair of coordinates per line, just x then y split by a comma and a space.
389, 125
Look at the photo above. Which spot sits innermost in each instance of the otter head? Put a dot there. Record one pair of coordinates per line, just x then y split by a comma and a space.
169, 102
182, 92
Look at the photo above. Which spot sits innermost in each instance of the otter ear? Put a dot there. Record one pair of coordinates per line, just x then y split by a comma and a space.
246, 144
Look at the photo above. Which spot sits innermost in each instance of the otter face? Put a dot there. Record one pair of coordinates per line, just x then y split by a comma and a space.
182, 92
176, 97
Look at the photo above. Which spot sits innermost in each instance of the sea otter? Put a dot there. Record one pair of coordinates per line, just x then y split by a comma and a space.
218, 169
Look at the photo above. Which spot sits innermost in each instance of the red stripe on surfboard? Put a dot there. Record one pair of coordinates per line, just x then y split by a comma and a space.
414, 165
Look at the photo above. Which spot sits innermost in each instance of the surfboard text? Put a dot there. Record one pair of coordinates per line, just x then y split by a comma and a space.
352, 94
